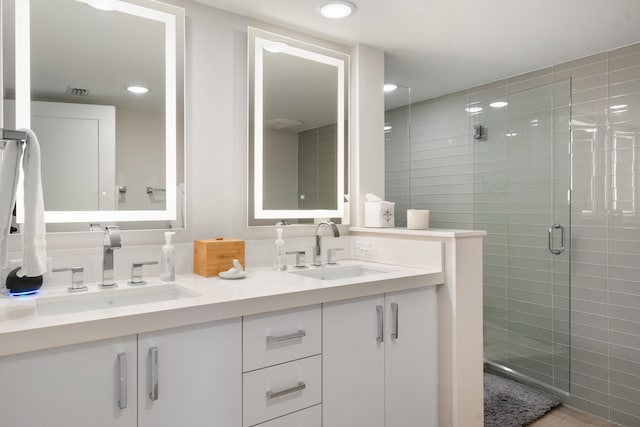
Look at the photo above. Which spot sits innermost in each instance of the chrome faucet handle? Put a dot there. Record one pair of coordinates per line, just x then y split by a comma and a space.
136, 272
331, 255
112, 237
300, 258
77, 278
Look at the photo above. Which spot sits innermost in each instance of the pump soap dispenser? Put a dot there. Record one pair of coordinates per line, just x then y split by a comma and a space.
279, 257
168, 259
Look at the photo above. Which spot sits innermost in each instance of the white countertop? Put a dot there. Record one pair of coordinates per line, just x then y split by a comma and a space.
23, 328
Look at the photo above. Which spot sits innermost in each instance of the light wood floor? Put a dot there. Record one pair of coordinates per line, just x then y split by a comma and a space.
564, 416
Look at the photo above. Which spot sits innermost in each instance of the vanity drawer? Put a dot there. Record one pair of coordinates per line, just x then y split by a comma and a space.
278, 337
282, 389
310, 417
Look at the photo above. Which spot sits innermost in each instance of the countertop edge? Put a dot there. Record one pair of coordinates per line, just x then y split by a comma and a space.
420, 233
45, 337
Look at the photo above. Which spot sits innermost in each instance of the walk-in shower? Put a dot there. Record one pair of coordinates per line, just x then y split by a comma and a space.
521, 190
499, 161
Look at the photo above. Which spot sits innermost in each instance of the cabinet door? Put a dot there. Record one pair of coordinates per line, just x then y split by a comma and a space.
191, 376
411, 358
71, 386
353, 363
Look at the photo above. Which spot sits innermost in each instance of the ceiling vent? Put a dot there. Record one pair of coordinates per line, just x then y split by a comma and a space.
77, 91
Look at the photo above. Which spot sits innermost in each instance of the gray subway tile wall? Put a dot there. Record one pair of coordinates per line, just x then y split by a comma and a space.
502, 185
317, 154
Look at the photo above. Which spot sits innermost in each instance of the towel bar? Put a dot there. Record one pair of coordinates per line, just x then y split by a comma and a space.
151, 190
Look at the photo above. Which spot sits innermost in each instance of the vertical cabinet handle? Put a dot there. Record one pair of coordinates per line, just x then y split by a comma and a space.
394, 317
122, 364
380, 313
153, 354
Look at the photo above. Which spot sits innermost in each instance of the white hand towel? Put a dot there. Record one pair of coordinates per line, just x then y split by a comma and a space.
34, 254
9, 172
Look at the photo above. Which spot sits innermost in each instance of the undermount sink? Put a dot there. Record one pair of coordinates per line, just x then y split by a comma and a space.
105, 299
336, 273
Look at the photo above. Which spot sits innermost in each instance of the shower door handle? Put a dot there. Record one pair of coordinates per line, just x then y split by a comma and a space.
556, 251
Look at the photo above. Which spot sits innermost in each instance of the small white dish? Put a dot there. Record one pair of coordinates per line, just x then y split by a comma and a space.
232, 276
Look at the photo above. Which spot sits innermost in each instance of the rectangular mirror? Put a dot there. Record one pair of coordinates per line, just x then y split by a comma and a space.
109, 154
297, 129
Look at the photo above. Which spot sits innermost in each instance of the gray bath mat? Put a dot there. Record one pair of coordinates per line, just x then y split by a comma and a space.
511, 404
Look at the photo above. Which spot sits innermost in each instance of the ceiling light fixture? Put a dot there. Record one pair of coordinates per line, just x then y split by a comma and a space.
387, 128
499, 104
137, 89
473, 110
619, 106
337, 9
390, 87
276, 47
104, 5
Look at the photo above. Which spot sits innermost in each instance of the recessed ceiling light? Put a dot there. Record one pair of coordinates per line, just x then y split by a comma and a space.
387, 128
499, 104
619, 106
390, 87
473, 110
337, 9
276, 47
137, 89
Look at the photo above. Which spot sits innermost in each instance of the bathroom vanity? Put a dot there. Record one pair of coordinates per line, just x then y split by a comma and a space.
275, 349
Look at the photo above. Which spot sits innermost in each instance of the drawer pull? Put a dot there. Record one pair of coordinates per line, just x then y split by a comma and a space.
288, 337
273, 395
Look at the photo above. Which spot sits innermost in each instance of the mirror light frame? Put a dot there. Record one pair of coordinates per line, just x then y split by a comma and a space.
258, 143
23, 114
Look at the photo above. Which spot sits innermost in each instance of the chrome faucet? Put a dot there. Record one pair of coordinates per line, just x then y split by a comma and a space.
317, 258
110, 242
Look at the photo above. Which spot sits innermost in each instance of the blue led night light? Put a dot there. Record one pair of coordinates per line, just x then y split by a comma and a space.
23, 293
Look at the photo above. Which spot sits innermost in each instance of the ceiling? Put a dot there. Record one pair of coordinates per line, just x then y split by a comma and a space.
442, 46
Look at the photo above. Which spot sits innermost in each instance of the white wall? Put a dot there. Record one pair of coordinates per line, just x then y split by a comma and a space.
140, 135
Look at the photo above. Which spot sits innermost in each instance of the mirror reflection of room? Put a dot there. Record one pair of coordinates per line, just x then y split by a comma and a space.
90, 110
298, 130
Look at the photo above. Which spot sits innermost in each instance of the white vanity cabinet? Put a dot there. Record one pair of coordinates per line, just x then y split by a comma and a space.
72, 386
188, 377
380, 360
191, 376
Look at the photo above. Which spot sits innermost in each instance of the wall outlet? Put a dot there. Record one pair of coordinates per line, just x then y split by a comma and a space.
362, 248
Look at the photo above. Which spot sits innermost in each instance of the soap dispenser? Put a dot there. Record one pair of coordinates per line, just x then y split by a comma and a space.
279, 257
168, 259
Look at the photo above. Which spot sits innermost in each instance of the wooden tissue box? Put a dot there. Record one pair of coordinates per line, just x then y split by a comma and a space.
212, 256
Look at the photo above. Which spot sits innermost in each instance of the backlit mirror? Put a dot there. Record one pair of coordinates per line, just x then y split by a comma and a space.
297, 129
109, 154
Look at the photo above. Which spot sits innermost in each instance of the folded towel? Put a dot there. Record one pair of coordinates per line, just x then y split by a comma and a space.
34, 254
9, 172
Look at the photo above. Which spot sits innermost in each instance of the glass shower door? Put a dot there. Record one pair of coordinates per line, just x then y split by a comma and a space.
521, 189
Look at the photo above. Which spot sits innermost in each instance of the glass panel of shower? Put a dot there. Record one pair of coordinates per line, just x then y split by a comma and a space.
521, 186
397, 151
